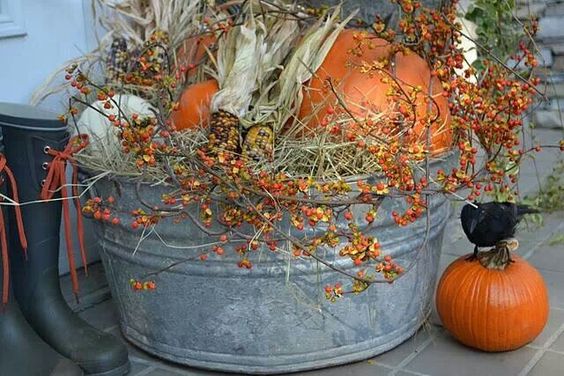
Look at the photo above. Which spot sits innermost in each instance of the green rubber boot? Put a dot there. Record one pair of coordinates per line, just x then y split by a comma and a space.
22, 351
32, 140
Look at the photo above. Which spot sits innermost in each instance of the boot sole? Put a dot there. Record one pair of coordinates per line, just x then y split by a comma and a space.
119, 371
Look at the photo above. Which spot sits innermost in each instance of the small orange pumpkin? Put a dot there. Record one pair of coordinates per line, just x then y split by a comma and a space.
194, 105
357, 89
492, 309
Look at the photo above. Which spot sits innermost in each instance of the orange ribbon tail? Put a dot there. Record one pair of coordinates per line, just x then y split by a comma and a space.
55, 182
3, 239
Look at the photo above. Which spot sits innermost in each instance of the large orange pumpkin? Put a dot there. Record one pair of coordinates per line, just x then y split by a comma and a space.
194, 105
359, 90
492, 309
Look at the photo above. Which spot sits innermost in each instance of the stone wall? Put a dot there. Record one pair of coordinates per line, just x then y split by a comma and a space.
368, 9
550, 40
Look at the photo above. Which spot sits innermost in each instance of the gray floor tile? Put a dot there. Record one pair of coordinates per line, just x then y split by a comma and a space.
434, 318
532, 237
458, 248
189, 371
555, 321
550, 257
185, 371
365, 368
542, 162
551, 364
93, 288
558, 345
101, 316
444, 262
407, 373
162, 372
453, 229
533, 174
446, 357
555, 284
141, 356
136, 368
134, 352
547, 136
398, 354
531, 180
529, 184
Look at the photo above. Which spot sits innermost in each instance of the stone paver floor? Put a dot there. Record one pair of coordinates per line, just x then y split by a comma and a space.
432, 351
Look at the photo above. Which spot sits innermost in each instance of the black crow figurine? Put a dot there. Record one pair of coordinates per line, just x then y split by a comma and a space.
488, 223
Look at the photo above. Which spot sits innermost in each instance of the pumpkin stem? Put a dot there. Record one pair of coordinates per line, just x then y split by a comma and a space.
499, 256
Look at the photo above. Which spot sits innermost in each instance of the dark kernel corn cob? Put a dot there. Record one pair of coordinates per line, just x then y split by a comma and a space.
259, 142
117, 63
224, 132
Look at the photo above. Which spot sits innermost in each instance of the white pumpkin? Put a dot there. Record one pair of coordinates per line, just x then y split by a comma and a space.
104, 141
467, 44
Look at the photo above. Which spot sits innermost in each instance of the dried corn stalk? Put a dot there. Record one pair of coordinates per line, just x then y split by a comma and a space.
137, 20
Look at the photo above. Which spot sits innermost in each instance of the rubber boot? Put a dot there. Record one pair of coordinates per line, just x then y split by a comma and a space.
22, 351
28, 138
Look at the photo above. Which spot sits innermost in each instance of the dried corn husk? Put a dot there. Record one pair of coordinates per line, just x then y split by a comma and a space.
237, 72
305, 61
287, 96
282, 37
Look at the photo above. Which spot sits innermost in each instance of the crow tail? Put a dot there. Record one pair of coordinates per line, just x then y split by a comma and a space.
525, 209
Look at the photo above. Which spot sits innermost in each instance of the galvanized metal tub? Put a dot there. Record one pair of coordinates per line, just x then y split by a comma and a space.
273, 318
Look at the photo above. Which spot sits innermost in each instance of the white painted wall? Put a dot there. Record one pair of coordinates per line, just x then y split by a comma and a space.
56, 31
46, 34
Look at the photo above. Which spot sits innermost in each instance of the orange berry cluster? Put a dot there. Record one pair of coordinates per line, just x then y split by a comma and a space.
389, 269
137, 285
361, 248
415, 210
101, 210
138, 138
334, 292
150, 65
144, 219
